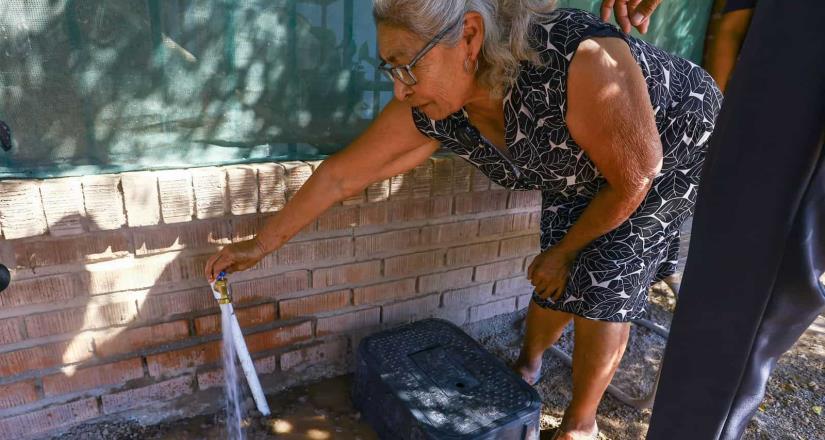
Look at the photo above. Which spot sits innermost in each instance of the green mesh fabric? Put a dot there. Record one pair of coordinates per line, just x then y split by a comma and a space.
99, 86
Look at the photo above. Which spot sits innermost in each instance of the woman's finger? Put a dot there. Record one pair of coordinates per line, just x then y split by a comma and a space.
607, 8
210, 263
620, 11
642, 13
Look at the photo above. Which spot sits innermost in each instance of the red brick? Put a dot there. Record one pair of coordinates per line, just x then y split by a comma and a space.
514, 286
271, 186
449, 232
327, 352
311, 305
355, 199
103, 201
472, 254
243, 189
316, 251
167, 363
209, 184
442, 179
45, 356
384, 292
524, 199
495, 308
140, 338
468, 296
373, 214
214, 378
80, 318
270, 287
378, 191
456, 316
479, 181
171, 304
519, 246
413, 263
63, 205
158, 392
21, 209
410, 310
409, 210
401, 186
190, 268
247, 317
346, 274
93, 377
387, 242
446, 280
339, 217
48, 419
422, 180
462, 175
47, 289
535, 221
10, 331
297, 173
523, 301
476, 202
420, 209
505, 224
279, 337
498, 270
346, 322
140, 195
176, 196
193, 235
245, 227
147, 272
85, 248
16, 394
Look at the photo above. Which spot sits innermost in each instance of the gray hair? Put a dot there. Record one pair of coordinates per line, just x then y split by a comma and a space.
506, 28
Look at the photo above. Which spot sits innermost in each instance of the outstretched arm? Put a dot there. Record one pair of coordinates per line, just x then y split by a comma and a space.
390, 146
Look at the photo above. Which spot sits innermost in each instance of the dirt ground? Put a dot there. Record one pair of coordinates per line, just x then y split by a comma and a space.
792, 408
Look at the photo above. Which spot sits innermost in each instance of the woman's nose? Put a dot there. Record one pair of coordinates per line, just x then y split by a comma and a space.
401, 90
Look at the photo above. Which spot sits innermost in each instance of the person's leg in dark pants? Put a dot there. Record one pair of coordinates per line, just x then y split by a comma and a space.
798, 298
739, 293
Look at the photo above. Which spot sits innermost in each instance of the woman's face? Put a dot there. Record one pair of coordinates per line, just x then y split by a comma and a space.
443, 85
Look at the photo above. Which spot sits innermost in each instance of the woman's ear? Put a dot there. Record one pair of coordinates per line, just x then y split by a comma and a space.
473, 34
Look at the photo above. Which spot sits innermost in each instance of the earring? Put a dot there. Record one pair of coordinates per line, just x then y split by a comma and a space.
467, 66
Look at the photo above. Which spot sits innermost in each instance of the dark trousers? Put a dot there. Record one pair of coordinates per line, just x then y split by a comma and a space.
751, 285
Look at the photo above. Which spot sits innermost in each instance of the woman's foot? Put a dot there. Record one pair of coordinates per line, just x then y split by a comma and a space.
577, 433
528, 368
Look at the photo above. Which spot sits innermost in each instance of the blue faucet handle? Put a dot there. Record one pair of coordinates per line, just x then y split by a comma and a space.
221, 276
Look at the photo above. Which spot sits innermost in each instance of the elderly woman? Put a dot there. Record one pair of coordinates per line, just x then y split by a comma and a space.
611, 129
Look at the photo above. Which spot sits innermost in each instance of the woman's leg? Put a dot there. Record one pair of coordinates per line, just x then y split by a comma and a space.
544, 328
598, 349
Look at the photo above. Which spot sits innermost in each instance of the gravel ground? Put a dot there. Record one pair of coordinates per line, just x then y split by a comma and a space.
792, 408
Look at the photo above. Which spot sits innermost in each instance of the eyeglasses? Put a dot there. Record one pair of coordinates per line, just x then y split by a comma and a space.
404, 73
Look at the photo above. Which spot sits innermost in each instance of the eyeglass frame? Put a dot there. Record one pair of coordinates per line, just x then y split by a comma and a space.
390, 71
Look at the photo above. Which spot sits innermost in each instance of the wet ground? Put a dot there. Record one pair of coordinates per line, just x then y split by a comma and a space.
792, 408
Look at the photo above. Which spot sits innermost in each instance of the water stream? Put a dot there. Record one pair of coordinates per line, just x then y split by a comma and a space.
232, 388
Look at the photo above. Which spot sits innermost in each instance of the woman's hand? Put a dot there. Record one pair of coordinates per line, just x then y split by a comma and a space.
629, 13
234, 257
549, 272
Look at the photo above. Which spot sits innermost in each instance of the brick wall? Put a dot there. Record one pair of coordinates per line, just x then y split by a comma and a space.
109, 313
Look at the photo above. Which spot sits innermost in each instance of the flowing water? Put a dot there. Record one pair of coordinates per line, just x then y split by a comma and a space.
232, 389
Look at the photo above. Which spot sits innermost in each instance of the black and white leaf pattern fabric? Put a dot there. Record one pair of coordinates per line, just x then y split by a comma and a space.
610, 277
